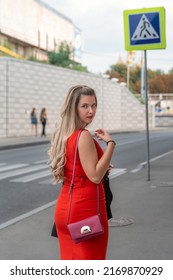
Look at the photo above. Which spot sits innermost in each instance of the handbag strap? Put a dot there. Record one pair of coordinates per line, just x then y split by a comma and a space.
74, 162
72, 181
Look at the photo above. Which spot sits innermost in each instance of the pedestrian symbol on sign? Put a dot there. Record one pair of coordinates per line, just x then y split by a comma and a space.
144, 30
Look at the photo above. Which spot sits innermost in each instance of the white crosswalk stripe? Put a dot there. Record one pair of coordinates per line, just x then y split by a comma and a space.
50, 181
41, 161
2, 163
32, 177
38, 171
115, 172
13, 166
17, 172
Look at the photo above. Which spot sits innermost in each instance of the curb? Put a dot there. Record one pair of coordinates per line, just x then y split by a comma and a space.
21, 145
28, 144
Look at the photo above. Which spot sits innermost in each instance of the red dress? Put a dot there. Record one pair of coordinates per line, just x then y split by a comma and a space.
84, 204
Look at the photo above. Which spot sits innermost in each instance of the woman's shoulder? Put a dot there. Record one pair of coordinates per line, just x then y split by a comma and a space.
83, 134
85, 138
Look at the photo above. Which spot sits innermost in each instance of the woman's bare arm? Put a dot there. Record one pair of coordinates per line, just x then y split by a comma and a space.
94, 168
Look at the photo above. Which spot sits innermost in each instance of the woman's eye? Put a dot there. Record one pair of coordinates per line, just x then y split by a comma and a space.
86, 106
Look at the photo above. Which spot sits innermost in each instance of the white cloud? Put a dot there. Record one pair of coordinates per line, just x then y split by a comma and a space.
103, 29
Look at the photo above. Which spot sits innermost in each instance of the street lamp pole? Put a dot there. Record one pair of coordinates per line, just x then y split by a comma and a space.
130, 62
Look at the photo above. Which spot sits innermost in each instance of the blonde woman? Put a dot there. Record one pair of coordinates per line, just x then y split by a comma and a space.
91, 164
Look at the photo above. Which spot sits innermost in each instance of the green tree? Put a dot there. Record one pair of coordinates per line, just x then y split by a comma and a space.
161, 83
118, 71
79, 67
158, 81
171, 71
62, 57
159, 72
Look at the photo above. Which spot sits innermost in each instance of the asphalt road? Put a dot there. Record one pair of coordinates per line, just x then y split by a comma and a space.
26, 183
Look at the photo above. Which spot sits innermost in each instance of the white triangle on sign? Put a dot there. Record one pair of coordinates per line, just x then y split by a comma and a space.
144, 30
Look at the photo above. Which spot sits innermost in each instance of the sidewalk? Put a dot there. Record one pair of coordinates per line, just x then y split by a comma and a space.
148, 203
18, 142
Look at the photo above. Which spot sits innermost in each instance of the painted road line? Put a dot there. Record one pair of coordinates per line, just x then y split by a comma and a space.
140, 165
41, 161
163, 155
13, 166
21, 171
48, 181
121, 143
3, 163
32, 177
138, 168
158, 157
26, 215
115, 172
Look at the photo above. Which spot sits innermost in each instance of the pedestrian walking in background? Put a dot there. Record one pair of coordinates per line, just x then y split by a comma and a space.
34, 121
43, 120
91, 165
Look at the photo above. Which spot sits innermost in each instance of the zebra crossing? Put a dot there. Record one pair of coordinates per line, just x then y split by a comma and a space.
36, 171
24, 172
32, 177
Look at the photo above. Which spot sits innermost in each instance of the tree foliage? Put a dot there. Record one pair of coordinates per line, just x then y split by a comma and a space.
118, 71
161, 84
158, 81
63, 58
171, 71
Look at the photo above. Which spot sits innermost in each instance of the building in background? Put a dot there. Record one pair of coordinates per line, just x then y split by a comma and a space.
78, 46
30, 28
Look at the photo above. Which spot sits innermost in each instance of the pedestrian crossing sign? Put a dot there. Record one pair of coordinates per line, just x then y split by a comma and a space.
144, 29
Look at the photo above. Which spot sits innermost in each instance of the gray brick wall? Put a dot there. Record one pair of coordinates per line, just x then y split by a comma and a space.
3, 97
37, 85
164, 121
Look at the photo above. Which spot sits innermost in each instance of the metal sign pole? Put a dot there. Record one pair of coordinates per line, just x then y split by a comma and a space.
7, 101
142, 76
145, 29
146, 108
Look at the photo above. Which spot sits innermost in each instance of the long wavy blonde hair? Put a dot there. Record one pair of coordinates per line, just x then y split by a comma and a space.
69, 123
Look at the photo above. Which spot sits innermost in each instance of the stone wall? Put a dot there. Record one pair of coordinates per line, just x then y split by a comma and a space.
3, 98
25, 84
165, 120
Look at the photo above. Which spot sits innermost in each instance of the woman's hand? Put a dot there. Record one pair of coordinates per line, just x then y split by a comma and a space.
110, 167
102, 134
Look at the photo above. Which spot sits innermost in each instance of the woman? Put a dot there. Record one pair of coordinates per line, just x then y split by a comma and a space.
43, 119
34, 121
91, 165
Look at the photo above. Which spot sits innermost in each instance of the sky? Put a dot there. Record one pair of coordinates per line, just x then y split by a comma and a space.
102, 25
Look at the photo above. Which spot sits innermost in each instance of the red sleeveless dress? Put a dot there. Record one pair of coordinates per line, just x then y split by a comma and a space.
84, 205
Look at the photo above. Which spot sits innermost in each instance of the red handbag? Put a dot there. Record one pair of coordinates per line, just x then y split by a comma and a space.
87, 228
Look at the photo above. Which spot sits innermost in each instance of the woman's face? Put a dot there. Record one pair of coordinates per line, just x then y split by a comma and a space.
87, 108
